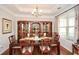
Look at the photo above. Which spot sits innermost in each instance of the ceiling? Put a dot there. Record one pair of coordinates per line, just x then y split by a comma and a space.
26, 9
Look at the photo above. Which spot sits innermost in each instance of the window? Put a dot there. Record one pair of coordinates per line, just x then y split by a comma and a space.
62, 32
66, 25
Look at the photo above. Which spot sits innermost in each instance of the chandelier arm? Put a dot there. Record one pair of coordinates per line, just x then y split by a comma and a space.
36, 12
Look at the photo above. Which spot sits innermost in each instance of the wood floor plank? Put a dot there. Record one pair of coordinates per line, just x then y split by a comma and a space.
63, 51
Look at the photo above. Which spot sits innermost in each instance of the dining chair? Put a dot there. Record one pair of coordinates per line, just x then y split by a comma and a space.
13, 46
45, 46
53, 47
55, 43
27, 47
56, 37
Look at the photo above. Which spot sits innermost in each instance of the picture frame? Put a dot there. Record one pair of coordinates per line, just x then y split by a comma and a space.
6, 26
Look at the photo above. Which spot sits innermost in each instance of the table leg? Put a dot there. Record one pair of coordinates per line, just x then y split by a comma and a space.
72, 49
58, 48
10, 49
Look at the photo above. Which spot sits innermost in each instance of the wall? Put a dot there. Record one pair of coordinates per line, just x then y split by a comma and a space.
4, 41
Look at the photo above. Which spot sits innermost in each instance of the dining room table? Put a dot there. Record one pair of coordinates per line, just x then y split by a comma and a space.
37, 42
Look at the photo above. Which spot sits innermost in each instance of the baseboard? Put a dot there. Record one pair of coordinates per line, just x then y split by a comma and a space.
4, 53
67, 50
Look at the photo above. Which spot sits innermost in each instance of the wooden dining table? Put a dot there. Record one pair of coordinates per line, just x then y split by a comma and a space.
37, 39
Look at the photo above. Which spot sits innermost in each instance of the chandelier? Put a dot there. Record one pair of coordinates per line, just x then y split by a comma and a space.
36, 12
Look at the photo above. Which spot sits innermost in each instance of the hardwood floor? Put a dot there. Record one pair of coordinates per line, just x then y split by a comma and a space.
63, 51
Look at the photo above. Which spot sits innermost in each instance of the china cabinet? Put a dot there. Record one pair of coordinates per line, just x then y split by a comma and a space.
34, 27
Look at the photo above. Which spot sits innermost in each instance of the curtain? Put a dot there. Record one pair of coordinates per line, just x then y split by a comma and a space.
56, 24
77, 22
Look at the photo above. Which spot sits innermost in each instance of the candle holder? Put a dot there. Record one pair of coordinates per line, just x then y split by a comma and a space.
28, 34
44, 34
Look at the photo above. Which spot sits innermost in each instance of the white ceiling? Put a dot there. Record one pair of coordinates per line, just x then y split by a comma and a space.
26, 9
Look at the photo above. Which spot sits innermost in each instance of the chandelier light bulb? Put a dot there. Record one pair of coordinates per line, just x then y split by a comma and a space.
36, 12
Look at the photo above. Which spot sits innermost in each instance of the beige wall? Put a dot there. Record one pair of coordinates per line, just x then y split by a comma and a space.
4, 42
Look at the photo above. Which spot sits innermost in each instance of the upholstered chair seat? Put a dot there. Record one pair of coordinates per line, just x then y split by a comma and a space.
27, 50
45, 48
27, 47
53, 45
16, 47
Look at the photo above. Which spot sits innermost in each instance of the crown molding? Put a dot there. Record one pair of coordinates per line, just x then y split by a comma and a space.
68, 8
